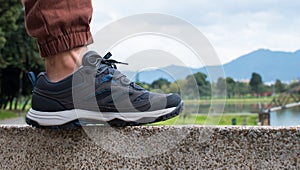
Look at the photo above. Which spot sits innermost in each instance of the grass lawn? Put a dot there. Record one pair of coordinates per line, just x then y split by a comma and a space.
6, 114
225, 119
232, 100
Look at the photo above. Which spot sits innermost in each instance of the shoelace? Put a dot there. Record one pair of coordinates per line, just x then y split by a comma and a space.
106, 64
110, 62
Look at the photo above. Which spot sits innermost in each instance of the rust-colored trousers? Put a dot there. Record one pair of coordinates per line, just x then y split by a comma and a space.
58, 25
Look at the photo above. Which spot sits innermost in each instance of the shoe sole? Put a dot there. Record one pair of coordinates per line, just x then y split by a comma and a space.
77, 118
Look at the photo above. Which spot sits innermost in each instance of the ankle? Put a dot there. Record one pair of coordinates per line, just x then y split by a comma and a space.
64, 64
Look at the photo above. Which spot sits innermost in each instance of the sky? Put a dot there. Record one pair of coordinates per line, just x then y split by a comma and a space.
234, 28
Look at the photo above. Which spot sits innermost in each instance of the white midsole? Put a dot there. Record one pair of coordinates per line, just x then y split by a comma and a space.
62, 117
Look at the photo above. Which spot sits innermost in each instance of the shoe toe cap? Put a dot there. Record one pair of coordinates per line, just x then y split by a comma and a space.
173, 100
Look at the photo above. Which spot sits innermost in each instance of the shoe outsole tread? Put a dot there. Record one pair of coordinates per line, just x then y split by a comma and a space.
114, 123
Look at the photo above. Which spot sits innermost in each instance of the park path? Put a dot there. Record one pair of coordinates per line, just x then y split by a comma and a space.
13, 121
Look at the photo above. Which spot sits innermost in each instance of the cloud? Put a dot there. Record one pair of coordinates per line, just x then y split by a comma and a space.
233, 27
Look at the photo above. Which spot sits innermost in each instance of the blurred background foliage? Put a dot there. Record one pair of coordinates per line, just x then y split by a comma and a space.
18, 55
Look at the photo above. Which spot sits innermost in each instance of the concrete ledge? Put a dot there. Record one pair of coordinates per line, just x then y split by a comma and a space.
168, 147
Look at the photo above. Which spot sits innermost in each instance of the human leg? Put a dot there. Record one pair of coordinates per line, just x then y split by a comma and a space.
63, 64
62, 31
64, 95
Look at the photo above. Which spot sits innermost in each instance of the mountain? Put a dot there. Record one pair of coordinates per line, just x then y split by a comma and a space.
271, 65
170, 73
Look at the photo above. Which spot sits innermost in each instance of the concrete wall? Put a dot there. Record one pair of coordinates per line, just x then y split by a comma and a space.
178, 147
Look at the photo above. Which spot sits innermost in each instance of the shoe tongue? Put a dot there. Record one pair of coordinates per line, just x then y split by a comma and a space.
91, 58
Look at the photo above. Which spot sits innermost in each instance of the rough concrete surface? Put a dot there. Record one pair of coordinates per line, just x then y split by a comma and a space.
146, 147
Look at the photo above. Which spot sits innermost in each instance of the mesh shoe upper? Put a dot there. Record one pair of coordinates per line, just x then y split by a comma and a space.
97, 86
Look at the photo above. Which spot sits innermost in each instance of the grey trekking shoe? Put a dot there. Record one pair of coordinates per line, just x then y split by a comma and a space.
97, 93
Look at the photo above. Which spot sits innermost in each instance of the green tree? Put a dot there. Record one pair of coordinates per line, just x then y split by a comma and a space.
9, 14
18, 49
279, 86
256, 83
173, 88
144, 85
241, 88
18, 56
199, 79
230, 85
294, 84
180, 86
266, 89
21, 51
221, 86
158, 84
226, 86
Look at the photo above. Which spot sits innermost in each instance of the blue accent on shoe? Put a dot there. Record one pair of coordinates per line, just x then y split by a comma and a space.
102, 91
32, 78
106, 78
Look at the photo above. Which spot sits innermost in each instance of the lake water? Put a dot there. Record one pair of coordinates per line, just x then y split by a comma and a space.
286, 117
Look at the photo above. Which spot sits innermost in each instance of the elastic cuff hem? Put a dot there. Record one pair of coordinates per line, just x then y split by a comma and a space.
65, 43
